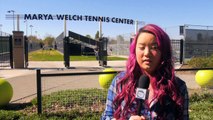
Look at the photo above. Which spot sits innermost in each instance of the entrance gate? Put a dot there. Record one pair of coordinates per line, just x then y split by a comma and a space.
78, 41
6, 54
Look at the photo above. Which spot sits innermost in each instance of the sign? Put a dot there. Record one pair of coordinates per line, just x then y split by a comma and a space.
72, 18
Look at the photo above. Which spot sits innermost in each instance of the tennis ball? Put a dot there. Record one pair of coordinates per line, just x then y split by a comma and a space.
6, 92
106, 79
204, 78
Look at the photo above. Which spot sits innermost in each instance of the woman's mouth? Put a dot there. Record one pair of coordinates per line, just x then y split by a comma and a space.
147, 61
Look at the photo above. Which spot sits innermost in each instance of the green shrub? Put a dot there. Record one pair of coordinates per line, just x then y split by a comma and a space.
201, 106
198, 62
201, 62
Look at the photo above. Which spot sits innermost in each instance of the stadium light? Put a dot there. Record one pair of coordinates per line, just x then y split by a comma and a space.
31, 26
12, 11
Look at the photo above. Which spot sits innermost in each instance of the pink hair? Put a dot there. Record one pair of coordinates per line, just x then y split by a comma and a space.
164, 79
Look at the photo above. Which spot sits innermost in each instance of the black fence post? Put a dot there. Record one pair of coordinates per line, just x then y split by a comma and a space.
66, 52
26, 51
181, 51
11, 50
39, 97
102, 52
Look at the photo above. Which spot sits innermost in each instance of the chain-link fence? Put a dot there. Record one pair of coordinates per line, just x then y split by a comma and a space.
33, 46
119, 45
198, 41
4, 34
71, 93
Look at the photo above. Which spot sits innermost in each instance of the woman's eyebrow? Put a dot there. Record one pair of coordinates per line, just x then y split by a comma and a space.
154, 43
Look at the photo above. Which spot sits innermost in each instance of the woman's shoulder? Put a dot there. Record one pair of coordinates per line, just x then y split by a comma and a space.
181, 85
179, 81
116, 79
120, 75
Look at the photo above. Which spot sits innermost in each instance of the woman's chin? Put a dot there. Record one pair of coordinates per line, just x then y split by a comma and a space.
148, 69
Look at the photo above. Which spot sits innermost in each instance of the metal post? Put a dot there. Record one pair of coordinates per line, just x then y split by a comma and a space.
26, 27
31, 26
66, 52
11, 51
136, 27
26, 51
184, 42
181, 51
102, 51
18, 23
100, 28
13, 20
12, 11
207, 51
65, 27
39, 98
1, 29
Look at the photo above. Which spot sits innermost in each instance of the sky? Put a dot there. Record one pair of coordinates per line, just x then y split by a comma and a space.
168, 14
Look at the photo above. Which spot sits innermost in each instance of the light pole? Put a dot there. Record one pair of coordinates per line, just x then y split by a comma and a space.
31, 26
138, 23
12, 11
1, 29
26, 27
36, 32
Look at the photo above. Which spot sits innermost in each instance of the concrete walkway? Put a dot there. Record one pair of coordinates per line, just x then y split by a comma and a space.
24, 80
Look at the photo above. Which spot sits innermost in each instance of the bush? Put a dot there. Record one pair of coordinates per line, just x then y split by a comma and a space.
201, 62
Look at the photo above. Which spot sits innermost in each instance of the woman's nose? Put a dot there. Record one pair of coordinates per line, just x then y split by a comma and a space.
146, 51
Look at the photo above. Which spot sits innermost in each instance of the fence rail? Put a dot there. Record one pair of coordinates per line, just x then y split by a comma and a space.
40, 75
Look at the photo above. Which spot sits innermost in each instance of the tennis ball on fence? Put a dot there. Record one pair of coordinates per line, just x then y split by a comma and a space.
204, 78
6, 92
106, 79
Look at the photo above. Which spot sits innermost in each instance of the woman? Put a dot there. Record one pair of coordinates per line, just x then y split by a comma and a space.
150, 55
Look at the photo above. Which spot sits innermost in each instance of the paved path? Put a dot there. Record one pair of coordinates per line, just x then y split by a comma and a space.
24, 80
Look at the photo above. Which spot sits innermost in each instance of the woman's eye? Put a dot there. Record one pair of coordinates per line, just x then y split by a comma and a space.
154, 47
142, 48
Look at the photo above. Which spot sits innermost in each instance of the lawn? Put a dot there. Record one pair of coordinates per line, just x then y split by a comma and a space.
54, 55
88, 104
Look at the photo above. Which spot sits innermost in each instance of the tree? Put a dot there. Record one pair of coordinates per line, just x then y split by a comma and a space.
120, 39
88, 36
97, 35
49, 40
33, 39
112, 41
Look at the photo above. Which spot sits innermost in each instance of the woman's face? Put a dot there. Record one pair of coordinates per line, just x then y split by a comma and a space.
148, 54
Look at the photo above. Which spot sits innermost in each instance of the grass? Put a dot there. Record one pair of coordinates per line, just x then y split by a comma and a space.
54, 55
84, 104
45, 55
201, 106
81, 104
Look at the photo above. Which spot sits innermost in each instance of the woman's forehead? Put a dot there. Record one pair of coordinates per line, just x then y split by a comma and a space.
146, 38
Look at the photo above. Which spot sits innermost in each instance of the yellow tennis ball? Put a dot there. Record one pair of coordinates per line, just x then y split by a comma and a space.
6, 92
204, 78
106, 79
